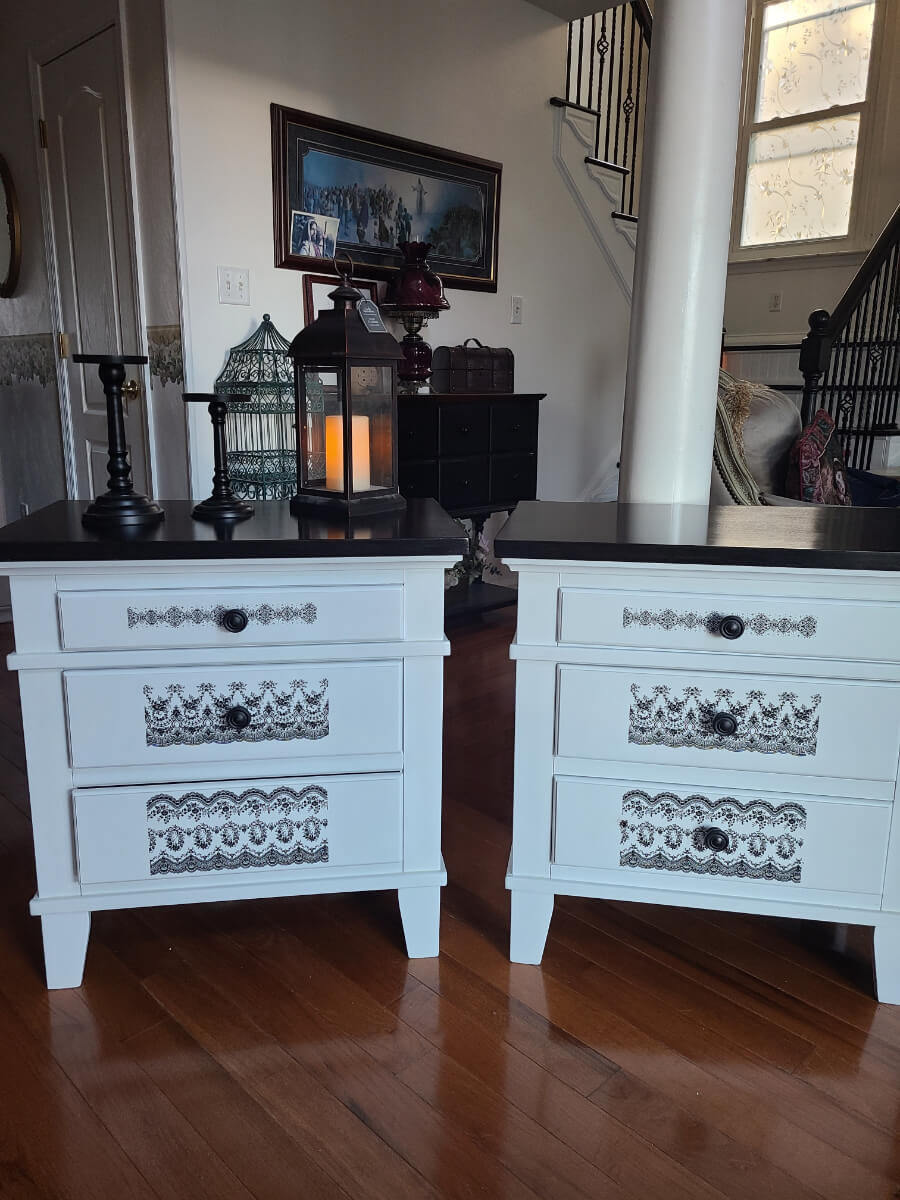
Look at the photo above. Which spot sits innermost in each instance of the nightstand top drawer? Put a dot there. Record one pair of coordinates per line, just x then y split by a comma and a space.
734, 624
187, 715
802, 727
706, 839
229, 617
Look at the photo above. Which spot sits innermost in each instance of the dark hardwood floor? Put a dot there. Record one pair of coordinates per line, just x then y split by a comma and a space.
288, 1049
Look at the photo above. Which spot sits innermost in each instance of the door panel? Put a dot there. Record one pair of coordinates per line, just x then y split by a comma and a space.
93, 237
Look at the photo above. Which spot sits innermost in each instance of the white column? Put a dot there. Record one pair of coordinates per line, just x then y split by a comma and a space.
684, 224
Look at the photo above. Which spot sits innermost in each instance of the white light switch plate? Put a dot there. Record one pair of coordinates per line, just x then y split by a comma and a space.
234, 285
515, 310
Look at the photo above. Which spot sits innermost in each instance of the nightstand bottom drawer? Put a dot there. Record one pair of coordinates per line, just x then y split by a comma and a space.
652, 835
224, 828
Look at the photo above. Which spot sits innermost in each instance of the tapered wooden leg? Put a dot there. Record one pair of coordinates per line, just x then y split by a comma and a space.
420, 911
887, 958
529, 923
65, 946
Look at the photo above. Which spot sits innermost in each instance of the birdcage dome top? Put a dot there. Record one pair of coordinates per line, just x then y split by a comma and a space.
262, 364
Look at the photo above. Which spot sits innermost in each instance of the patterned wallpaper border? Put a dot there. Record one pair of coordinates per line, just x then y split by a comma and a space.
165, 353
27, 358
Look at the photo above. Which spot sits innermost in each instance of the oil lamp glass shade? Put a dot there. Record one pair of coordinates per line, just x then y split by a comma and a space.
416, 287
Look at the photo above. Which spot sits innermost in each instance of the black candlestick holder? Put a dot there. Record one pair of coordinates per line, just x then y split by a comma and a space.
222, 505
120, 506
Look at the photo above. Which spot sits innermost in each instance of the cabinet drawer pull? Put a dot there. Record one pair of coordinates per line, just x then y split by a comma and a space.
715, 840
464, 429
731, 628
234, 620
724, 724
238, 717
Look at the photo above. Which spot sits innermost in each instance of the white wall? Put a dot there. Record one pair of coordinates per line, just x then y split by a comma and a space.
463, 74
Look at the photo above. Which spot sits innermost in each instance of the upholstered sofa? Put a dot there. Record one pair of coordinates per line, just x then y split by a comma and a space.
755, 430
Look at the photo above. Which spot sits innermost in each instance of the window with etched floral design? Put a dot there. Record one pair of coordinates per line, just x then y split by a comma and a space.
807, 109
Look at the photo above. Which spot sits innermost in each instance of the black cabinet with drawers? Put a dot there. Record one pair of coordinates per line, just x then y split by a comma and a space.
475, 454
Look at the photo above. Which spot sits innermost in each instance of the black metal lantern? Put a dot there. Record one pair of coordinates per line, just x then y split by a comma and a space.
345, 393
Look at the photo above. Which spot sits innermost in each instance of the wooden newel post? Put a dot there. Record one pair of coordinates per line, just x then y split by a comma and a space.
815, 353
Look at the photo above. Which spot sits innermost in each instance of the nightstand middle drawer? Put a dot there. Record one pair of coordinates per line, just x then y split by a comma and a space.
172, 715
802, 727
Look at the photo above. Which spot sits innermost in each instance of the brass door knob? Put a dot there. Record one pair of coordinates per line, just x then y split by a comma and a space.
131, 390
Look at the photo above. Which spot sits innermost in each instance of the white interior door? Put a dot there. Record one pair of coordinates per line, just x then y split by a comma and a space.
93, 238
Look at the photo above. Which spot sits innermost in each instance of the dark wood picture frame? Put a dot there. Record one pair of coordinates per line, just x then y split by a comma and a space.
466, 240
367, 287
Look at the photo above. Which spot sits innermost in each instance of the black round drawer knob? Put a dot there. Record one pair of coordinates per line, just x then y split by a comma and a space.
463, 429
238, 717
731, 628
514, 428
715, 840
724, 724
234, 620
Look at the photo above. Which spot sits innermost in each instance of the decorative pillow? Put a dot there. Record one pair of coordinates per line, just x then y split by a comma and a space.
816, 470
755, 429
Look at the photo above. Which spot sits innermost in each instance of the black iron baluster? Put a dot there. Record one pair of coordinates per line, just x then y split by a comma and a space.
892, 373
620, 74
865, 410
569, 63
602, 47
591, 63
609, 83
580, 54
637, 119
628, 102
889, 313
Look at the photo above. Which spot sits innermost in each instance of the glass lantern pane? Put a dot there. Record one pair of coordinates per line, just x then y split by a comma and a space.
371, 408
800, 182
814, 55
322, 416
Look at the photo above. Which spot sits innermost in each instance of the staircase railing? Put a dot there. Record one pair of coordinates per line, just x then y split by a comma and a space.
850, 359
606, 75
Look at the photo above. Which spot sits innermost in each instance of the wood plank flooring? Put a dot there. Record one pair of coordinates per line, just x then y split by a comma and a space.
288, 1050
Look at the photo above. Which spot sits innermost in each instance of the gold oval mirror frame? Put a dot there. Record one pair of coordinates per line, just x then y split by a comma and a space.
11, 214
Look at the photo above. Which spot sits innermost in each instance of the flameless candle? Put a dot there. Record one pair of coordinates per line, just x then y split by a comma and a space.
334, 454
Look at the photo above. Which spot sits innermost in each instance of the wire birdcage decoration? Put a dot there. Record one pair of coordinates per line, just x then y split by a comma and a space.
262, 456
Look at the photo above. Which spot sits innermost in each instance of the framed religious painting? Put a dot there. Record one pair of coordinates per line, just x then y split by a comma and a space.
342, 188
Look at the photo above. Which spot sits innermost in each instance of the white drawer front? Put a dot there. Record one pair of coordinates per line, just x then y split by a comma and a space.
127, 834
698, 621
131, 717
803, 727
107, 620
649, 834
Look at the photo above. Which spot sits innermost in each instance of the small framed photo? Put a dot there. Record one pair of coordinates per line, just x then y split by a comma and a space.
313, 235
317, 287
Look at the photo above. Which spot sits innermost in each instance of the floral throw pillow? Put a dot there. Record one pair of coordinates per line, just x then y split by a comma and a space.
816, 471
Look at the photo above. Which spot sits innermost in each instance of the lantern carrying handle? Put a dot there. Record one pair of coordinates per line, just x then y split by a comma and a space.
344, 276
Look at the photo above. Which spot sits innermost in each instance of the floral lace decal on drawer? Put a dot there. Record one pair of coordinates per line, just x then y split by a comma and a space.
228, 832
174, 617
181, 716
783, 724
759, 623
666, 833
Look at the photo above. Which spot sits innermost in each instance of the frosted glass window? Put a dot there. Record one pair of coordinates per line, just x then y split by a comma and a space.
814, 55
800, 181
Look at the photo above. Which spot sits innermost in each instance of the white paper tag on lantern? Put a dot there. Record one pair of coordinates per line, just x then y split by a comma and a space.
371, 317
